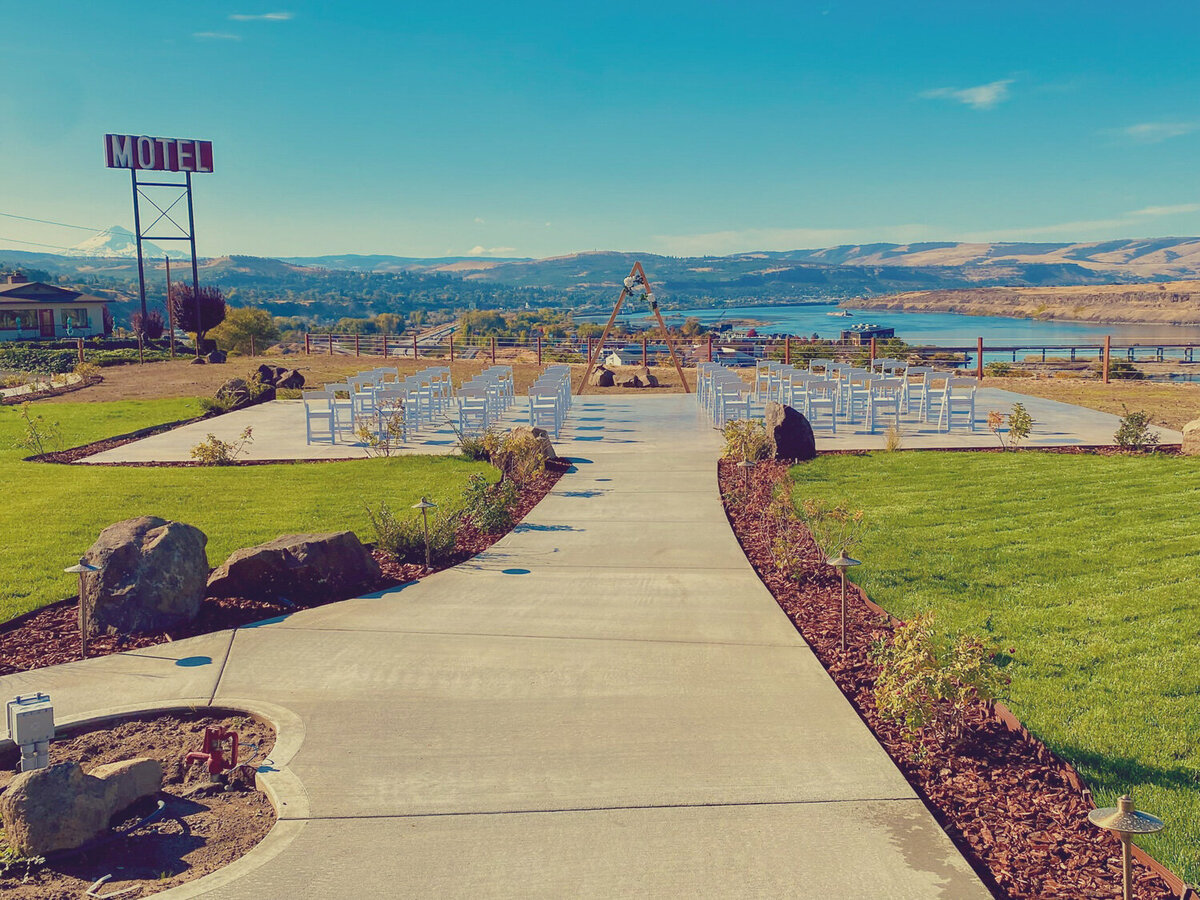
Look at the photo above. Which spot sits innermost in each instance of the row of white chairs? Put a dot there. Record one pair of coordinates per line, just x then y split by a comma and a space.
380, 400
550, 398
483, 400
722, 393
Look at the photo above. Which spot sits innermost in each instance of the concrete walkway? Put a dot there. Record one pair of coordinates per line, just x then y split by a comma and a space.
607, 703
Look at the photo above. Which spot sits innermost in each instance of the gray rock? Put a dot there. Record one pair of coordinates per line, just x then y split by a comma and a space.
648, 379
292, 380
197, 360
539, 436
299, 568
790, 433
61, 808
602, 377
1191, 438
631, 381
151, 577
216, 356
235, 391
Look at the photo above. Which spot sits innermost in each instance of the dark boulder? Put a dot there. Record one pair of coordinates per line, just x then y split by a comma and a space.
292, 380
150, 577
631, 381
648, 379
602, 377
300, 568
216, 356
790, 433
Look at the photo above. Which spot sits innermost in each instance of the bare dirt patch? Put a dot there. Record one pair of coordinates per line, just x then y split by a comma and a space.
1016, 811
201, 829
1171, 405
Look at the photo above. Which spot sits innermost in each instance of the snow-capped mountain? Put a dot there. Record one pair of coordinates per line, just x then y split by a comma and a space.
121, 243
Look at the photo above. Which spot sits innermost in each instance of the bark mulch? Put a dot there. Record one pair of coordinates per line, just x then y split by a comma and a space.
50, 635
1016, 811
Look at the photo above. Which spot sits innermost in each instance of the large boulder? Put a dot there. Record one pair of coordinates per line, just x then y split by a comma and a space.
216, 356
790, 433
602, 377
150, 577
235, 392
299, 568
61, 808
648, 379
1191, 438
293, 380
631, 381
538, 437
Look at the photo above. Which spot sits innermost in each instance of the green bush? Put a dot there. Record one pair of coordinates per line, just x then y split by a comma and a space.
34, 359
216, 452
1134, 432
404, 539
746, 439
491, 506
929, 682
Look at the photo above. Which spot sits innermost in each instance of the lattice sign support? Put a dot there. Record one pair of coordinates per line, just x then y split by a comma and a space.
636, 284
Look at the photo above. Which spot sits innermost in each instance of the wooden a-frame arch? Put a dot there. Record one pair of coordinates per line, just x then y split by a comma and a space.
637, 279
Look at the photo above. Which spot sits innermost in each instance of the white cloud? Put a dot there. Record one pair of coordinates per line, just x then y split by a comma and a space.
479, 250
261, 17
216, 36
1175, 210
1154, 132
479, 220
982, 96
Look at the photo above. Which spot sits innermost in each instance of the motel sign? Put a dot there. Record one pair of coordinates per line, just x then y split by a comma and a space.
132, 151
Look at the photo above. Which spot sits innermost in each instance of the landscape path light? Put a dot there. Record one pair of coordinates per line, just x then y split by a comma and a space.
1126, 821
842, 563
82, 569
425, 506
746, 465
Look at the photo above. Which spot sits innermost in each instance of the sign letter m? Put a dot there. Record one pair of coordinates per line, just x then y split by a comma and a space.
119, 149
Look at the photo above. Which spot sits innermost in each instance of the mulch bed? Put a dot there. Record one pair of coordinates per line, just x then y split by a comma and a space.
56, 391
203, 827
50, 635
1016, 811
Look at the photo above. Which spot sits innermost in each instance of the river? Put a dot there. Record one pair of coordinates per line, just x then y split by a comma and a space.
927, 328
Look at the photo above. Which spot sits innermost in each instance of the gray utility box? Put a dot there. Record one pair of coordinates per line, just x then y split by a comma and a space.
31, 727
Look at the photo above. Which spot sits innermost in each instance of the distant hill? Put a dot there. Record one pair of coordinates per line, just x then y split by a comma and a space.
332, 286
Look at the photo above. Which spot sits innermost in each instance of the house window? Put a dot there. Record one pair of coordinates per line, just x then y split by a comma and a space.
12, 319
75, 318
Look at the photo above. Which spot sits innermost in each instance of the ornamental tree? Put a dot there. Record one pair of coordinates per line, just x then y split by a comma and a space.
197, 312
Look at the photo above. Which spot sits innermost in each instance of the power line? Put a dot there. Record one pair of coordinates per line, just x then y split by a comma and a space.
60, 224
35, 243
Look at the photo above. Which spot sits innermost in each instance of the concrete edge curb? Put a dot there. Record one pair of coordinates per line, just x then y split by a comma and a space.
283, 788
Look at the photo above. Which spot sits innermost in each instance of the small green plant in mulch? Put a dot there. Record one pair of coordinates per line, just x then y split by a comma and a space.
746, 440
491, 506
928, 682
836, 527
1135, 432
13, 863
404, 538
216, 452
1020, 426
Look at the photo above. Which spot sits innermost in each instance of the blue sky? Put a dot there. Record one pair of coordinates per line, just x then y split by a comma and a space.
537, 129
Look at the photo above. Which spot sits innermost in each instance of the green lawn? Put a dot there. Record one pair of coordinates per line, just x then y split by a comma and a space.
53, 513
1089, 567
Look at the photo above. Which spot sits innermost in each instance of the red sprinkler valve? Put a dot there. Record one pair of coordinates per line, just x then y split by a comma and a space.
214, 751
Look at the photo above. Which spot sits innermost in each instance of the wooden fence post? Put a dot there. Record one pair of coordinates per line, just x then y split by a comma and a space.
871, 365
141, 355
710, 346
79, 345
252, 350
787, 350
385, 347
357, 344
307, 343
979, 359
644, 356
331, 343
539, 346
493, 349
452, 346
1107, 355
415, 351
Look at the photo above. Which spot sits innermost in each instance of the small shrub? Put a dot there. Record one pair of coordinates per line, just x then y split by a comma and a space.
893, 439
216, 452
1134, 432
928, 682
836, 529
1020, 424
404, 539
491, 506
16, 379
381, 442
519, 457
478, 447
38, 435
86, 370
215, 406
997, 369
12, 862
746, 439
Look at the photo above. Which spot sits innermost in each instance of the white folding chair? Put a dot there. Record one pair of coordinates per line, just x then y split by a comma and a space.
958, 397
318, 411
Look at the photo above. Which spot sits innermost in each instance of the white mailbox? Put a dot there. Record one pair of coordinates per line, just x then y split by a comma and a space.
31, 727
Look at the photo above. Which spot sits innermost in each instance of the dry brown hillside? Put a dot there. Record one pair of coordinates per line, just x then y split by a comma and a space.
1169, 302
